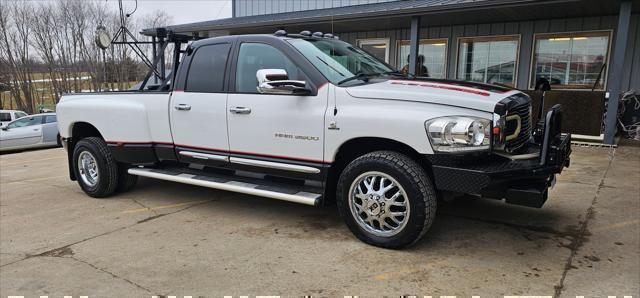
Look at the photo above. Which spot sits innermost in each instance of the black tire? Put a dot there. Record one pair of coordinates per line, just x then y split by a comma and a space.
107, 168
413, 179
59, 140
126, 181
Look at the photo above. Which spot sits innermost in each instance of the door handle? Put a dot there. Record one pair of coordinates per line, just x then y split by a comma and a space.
182, 107
240, 110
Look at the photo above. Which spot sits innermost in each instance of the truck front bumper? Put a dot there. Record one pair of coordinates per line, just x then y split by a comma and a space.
521, 182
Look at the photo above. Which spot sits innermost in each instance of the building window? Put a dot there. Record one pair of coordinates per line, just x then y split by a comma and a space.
378, 47
488, 59
571, 60
432, 53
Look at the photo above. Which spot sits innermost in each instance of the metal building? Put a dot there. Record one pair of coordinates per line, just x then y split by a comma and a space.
579, 46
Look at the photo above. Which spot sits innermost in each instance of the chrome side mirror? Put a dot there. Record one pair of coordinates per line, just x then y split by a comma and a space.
276, 81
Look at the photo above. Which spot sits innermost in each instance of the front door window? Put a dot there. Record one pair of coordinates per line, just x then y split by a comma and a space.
257, 56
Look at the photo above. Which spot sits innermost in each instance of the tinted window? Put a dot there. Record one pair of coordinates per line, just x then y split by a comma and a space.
256, 56
207, 69
25, 122
50, 119
5, 117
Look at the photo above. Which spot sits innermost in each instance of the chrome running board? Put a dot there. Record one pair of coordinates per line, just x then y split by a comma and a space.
252, 186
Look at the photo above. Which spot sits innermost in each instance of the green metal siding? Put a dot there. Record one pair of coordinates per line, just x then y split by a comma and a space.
243, 8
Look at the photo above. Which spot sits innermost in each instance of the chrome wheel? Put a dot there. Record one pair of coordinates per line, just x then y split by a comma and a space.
88, 168
379, 204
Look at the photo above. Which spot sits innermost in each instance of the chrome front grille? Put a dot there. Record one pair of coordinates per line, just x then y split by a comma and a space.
523, 112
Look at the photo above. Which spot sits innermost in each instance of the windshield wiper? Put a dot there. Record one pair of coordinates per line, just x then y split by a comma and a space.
359, 76
397, 73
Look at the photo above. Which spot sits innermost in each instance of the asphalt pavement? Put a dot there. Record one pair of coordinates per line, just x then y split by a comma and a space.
165, 239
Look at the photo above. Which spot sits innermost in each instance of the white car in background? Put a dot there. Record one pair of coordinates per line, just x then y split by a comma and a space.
7, 116
33, 131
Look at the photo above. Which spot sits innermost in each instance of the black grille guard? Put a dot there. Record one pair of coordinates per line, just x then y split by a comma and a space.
522, 182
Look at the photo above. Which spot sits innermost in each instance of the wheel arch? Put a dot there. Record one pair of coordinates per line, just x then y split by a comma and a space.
357, 147
79, 131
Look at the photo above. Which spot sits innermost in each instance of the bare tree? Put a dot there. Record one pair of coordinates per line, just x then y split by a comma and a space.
47, 49
43, 40
15, 22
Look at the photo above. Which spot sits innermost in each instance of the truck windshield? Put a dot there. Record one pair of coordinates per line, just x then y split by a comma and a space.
339, 61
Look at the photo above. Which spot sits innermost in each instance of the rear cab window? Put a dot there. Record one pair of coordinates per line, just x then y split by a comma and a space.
5, 117
207, 69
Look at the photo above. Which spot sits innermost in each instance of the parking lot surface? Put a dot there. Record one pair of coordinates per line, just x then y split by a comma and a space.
164, 238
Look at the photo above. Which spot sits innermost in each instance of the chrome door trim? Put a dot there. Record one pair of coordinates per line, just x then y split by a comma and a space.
182, 107
274, 165
198, 155
240, 110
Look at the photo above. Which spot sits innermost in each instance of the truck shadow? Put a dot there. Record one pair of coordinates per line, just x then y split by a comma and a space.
272, 218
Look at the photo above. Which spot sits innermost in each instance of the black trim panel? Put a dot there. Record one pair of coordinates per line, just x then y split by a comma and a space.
147, 153
133, 153
165, 152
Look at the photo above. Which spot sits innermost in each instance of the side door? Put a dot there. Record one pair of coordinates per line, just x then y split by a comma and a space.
50, 129
198, 113
23, 132
274, 133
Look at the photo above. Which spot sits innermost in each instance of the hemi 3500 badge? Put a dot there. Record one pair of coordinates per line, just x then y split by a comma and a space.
296, 137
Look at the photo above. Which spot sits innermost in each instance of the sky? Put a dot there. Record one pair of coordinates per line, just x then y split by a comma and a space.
182, 11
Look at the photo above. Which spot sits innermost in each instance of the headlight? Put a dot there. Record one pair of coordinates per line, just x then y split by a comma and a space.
459, 133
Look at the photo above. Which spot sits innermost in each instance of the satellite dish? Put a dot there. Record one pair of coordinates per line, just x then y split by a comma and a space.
103, 40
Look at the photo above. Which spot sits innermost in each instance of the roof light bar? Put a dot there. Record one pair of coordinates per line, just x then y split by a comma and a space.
308, 33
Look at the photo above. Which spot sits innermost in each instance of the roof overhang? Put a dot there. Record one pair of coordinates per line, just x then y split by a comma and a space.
397, 14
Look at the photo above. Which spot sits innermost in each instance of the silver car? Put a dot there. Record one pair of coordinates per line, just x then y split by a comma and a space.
33, 131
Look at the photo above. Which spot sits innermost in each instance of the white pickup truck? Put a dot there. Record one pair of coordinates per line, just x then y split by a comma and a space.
313, 120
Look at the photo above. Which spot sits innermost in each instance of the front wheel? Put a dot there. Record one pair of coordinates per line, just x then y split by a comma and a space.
386, 199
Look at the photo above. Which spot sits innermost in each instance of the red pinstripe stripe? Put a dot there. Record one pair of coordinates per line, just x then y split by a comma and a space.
439, 85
